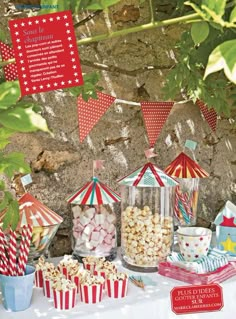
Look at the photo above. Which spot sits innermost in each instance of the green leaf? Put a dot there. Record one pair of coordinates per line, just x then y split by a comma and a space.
223, 57
199, 31
23, 120
9, 94
6, 132
2, 185
3, 36
232, 18
218, 6
12, 215
6, 200
4, 143
12, 163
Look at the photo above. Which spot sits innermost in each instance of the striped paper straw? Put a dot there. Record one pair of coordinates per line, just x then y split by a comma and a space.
3, 256
24, 249
12, 253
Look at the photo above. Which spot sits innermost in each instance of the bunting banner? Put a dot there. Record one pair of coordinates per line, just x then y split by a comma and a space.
90, 112
10, 70
155, 115
209, 115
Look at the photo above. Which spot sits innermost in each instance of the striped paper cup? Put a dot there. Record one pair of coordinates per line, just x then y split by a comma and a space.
64, 300
47, 288
102, 274
75, 279
38, 279
117, 288
63, 270
90, 294
90, 267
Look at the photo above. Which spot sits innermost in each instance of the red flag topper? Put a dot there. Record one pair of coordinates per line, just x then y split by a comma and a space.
10, 70
209, 115
155, 115
46, 52
90, 112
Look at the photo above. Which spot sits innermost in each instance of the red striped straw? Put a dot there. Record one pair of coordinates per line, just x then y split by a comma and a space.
3, 256
12, 253
3, 269
24, 249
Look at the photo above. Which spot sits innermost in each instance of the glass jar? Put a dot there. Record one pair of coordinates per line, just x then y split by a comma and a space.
146, 221
94, 231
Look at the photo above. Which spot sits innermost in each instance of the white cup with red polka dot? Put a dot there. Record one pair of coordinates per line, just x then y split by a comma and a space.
194, 242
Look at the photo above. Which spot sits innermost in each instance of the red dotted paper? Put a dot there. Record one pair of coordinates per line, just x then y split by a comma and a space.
155, 115
90, 112
10, 70
46, 52
209, 115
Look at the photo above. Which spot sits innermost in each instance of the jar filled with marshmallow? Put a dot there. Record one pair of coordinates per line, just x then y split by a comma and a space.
94, 221
147, 203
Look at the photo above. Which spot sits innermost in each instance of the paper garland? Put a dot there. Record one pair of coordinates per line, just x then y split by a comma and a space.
155, 115
10, 70
209, 115
90, 112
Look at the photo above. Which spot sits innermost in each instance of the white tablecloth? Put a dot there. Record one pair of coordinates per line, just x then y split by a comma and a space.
153, 302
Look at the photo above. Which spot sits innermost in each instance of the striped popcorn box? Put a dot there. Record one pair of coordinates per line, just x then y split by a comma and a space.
102, 274
88, 266
63, 270
38, 279
117, 285
47, 288
90, 293
75, 280
64, 300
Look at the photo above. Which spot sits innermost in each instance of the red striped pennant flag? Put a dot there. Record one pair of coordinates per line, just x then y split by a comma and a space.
155, 115
90, 112
209, 115
10, 70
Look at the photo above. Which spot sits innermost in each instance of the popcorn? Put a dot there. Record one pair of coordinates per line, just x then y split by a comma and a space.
117, 284
63, 284
64, 294
67, 264
146, 237
90, 287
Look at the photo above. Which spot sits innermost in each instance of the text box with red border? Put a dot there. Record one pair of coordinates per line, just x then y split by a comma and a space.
46, 52
200, 298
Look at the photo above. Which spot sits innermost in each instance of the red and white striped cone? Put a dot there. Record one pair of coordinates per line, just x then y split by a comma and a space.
64, 300
38, 279
47, 288
90, 294
12, 253
117, 288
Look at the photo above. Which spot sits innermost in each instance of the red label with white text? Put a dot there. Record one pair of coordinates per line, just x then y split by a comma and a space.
46, 52
200, 298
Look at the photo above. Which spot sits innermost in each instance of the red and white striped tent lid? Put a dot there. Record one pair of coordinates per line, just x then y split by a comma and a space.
35, 213
94, 193
148, 175
184, 167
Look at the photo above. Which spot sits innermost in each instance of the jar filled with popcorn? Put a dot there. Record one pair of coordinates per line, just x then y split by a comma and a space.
147, 203
94, 221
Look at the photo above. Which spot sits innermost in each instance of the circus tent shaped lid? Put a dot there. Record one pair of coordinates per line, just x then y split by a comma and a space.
33, 212
94, 193
148, 175
184, 167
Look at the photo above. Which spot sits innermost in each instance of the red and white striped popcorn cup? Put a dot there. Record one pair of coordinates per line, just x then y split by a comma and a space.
38, 279
47, 288
90, 267
117, 288
100, 273
64, 300
90, 293
63, 270
75, 280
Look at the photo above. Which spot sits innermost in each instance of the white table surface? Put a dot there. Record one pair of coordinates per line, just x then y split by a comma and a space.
153, 302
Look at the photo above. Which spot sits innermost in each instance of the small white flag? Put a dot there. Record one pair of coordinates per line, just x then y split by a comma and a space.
27, 179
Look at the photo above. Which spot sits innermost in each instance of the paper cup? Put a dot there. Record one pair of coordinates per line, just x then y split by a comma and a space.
64, 300
194, 242
75, 280
102, 274
38, 279
63, 270
90, 294
47, 288
117, 288
90, 267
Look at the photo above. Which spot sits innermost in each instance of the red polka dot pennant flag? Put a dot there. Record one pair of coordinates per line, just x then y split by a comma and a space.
209, 115
10, 70
90, 112
155, 115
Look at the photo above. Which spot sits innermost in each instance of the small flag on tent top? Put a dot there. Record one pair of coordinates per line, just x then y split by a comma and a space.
25, 180
191, 144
